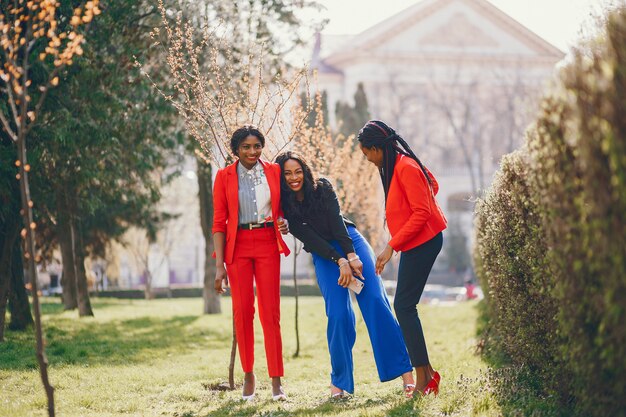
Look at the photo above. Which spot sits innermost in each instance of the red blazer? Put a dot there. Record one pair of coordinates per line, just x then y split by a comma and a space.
226, 205
413, 215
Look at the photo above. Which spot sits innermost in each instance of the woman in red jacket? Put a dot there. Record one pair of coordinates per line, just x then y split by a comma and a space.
415, 223
247, 226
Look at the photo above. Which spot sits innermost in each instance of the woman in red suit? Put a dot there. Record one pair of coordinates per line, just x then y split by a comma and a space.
247, 226
415, 223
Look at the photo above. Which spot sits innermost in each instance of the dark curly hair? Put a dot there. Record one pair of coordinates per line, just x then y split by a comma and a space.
241, 134
311, 187
376, 134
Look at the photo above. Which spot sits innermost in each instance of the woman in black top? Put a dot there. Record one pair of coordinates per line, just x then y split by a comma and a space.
339, 253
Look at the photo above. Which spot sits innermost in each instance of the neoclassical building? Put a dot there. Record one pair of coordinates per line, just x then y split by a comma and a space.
443, 72
458, 79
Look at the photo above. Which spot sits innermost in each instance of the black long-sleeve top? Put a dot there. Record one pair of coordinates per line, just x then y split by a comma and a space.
322, 225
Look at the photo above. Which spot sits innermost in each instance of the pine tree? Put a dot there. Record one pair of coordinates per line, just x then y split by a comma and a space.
351, 119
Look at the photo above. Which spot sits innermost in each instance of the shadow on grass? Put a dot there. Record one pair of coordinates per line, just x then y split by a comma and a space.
54, 306
114, 342
324, 407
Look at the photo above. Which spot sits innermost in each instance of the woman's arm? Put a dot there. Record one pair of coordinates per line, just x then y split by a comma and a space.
335, 219
418, 193
339, 229
221, 278
220, 215
313, 242
220, 204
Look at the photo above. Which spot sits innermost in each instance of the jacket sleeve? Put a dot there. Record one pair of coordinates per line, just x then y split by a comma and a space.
312, 241
433, 180
416, 189
335, 220
220, 204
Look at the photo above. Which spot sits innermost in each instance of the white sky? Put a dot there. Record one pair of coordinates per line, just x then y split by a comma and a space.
557, 21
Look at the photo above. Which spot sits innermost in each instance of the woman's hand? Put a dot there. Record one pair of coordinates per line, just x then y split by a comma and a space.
221, 279
356, 265
345, 273
383, 258
283, 225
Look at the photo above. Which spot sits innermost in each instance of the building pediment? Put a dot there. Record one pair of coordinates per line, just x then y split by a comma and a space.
471, 28
458, 32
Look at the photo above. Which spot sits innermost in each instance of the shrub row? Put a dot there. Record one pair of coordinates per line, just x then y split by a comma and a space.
551, 235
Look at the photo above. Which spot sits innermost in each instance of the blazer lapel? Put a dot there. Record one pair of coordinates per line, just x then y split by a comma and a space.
274, 184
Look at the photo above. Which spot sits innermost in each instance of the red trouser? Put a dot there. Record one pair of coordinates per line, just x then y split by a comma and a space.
257, 258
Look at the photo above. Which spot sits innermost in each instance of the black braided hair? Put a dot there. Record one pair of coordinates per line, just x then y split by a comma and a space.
376, 134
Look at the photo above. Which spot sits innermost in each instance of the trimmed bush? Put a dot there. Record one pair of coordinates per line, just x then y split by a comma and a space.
551, 234
511, 255
579, 171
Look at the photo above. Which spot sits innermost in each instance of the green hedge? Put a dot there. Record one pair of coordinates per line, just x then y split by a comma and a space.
308, 289
551, 234
512, 257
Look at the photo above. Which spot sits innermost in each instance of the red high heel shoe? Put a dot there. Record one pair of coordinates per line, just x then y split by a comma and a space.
433, 384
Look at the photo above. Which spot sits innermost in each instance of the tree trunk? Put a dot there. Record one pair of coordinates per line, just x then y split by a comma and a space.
295, 286
21, 317
29, 228
212, 303
82, 288
148, 288
8, 234
64, 233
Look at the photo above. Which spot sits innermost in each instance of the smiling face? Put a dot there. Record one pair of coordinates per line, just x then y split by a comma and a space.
294, 175
249, 151
374, 155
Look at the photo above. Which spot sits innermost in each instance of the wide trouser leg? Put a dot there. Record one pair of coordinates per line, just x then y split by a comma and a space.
341, 328
267, 278
415, 266
390, 353
240, 276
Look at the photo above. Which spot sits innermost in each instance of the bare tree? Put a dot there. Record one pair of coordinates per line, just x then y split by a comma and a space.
297, 248
458, 103
469, 118
26, 26
140, 244
152, 249
219, 86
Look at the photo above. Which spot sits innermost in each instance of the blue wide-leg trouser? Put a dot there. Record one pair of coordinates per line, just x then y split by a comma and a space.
390, 354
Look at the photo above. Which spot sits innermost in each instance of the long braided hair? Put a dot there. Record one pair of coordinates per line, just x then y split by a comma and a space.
376, 134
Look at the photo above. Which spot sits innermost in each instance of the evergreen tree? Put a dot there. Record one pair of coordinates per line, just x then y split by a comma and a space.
313, 107
104, 142
351, 119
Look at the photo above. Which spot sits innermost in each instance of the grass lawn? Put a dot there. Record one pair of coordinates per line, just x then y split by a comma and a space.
161, 358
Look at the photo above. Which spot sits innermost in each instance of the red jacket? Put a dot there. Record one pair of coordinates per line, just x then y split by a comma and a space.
413, 215
226, 205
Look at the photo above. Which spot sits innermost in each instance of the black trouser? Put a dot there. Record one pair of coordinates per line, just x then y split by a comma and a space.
415, 266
